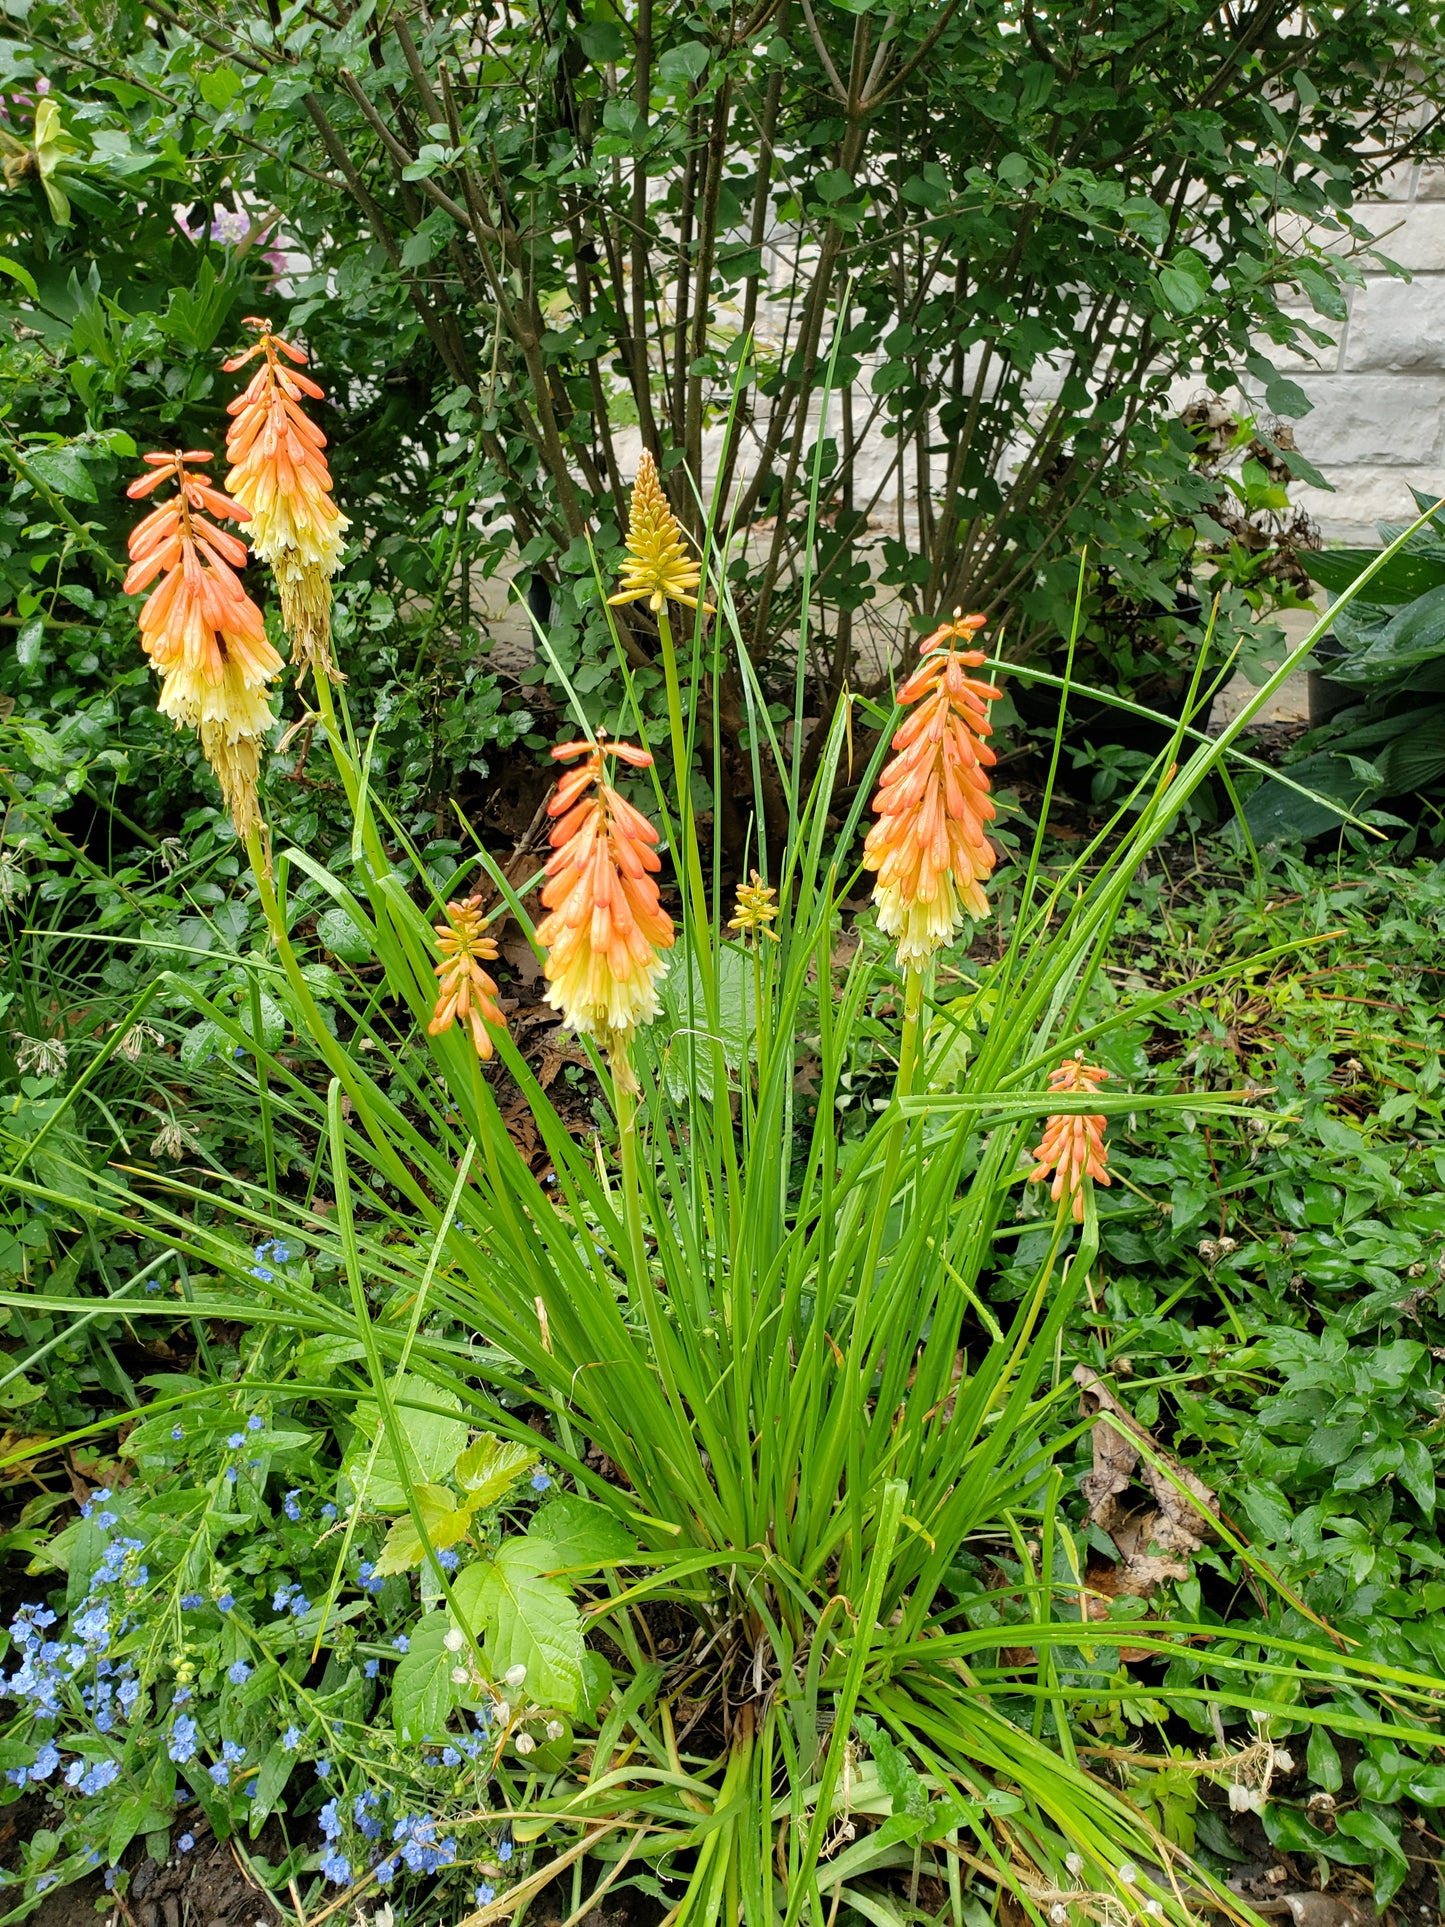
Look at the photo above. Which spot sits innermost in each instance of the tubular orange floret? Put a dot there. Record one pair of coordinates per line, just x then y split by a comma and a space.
606, 927
466, 991
1073, 1143
658, 565
279, 472
202, 632
928, 846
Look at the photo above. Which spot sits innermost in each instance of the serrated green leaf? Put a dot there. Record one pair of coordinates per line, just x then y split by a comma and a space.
433, 1440
63, 469
528, 1620
445, 1521
491, 1466
585, 1534
422, 1693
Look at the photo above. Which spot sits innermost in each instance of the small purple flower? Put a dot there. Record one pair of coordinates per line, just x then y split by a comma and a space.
238, 1673
328, 1512
372, 1668
504, 1851
485, 1892
178, 1431
255, 1423
220, 1772
180, 1696
225, 1602
236, 1441
323, 1769
402, 1643
300, 1605
337, 1868
291, 1506
232, 1752
182, 1745
540, 1481
291, 1738
186, 1842
192, 1602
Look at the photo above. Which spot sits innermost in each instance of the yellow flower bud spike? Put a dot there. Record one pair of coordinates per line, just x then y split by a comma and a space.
658, 566
755, 909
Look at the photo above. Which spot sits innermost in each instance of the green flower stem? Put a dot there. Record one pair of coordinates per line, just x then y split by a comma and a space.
624, 1103
682, 774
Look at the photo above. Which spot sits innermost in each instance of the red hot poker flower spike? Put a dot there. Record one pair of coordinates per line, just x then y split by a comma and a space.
1073, 1143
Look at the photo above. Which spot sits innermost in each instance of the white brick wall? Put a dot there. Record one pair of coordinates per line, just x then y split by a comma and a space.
1378, 422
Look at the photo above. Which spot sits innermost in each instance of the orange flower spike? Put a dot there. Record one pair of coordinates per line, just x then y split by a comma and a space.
202, 632
1073, 1145
929, 846
466, 991
606, 926
279, 472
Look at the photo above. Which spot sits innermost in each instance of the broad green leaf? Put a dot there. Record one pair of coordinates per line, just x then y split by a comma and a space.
220, 86
422, 1693
446, 1522
17, 273
681, 64
1403, 577
1184, 282
585, 1534
491, 1466
336, 932
528, 1620
28, 640
276, 1770
202, 1042
318, 1359
433, 1440
62, 469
